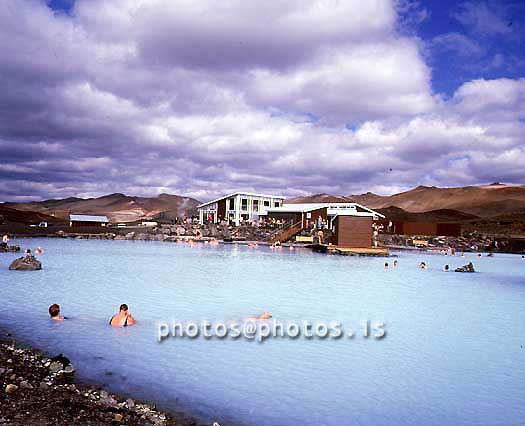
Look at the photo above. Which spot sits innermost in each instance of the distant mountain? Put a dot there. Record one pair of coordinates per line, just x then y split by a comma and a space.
118, 207
484, 201
318, 198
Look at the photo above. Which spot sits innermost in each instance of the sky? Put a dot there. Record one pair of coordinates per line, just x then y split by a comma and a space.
295, 97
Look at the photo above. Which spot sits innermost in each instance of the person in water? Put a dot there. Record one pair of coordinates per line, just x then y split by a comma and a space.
423, 265
28, 253
446, 268
386, 265
395, 263
54, 312
123, 318
263, 316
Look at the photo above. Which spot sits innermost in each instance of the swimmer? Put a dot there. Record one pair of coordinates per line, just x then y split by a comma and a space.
423, 265
123, 318
479, 255
263, 316
462, 254
28, 253
54, 313
291, 247
446, 268
39, 250
386, 265
395, 263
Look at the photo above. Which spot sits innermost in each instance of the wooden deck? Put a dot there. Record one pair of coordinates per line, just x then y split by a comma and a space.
351, 251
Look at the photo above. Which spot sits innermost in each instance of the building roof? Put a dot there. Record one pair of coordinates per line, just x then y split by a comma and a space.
333, 208
88, 218
250, 194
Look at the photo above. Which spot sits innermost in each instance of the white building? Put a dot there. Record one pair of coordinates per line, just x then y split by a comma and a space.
238, 207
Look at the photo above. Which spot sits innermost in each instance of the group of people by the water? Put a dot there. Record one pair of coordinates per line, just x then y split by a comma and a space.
446, 268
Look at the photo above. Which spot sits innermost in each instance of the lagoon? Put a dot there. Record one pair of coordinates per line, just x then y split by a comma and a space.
453, 354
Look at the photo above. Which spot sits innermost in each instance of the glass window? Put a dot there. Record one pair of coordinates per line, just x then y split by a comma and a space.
244, 204
266, 203
277, 204
255, 205
232, 204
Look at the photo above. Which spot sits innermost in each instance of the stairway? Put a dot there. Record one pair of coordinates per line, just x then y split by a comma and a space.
285, 233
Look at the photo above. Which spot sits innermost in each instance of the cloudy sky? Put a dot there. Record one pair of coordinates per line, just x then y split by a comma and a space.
285, 96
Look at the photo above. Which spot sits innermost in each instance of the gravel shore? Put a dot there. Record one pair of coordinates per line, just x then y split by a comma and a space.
37, 390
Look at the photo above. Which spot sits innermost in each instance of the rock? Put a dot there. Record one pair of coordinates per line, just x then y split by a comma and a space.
130, 403
466, 268
9, 389
43, 386
118, 417
69, 369
24, 384
55, 367
26, 263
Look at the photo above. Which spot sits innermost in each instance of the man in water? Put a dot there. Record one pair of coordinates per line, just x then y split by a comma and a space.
123, 318
263, 316
54, 312
446, 268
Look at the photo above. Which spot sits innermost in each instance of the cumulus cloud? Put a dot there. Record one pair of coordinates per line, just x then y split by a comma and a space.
290, 97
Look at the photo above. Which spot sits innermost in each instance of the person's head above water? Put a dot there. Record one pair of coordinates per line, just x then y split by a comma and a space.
124, 308
54, 312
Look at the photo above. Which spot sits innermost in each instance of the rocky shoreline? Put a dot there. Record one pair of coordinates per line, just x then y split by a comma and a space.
36, 390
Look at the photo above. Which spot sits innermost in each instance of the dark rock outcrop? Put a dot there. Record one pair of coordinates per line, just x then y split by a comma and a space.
27, 263
466, 268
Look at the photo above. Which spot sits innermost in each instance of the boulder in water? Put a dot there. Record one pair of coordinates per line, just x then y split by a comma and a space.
26, 263
466, 268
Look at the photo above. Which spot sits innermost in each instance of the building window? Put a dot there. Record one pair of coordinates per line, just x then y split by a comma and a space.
244, 204
266, 203
276, 204
231, 204
255, 205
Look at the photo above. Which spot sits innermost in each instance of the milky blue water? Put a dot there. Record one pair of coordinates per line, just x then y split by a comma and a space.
453, 355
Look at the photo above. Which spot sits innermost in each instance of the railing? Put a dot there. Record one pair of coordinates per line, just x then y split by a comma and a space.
286, 232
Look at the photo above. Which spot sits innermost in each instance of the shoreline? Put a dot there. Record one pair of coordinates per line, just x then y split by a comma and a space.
37, 390
203, 240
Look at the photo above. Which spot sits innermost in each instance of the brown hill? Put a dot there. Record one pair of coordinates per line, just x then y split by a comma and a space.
27, 217
485, 201
118, 207
441, 215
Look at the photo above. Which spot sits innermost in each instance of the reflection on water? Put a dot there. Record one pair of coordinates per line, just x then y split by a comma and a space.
453, 353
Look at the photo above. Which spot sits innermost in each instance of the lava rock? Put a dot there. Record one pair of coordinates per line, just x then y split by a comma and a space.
9, 389
26, 263
466, 268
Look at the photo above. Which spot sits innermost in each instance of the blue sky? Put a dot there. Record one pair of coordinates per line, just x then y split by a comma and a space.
202, 97
470, 40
